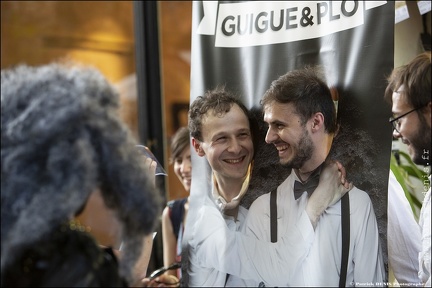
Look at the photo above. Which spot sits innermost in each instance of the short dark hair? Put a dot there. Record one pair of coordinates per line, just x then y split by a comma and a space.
179, 141
220, 100
309, 94
416, 79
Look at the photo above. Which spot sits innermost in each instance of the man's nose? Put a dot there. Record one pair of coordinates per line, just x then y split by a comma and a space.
396, 134
270, 136
234, 146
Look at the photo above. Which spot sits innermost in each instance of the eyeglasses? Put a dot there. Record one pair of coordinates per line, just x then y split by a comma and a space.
396, 121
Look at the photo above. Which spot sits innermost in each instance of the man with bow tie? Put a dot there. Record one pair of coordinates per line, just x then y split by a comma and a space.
301, 118
290, 241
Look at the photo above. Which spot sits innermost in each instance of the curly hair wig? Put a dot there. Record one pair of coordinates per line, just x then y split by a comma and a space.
61, 139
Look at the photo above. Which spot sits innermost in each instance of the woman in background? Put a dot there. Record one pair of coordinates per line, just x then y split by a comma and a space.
174, 214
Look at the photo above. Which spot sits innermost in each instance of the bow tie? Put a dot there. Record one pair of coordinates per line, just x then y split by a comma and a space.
309, 186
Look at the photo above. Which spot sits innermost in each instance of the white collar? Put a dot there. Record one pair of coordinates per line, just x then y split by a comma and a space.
222, 204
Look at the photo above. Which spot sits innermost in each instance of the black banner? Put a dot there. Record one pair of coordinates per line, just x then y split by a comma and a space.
246, 45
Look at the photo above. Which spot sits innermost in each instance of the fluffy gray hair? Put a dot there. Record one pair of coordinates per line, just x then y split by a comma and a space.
61, 139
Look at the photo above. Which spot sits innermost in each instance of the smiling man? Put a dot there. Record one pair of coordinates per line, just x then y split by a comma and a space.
220, 129
219, 253
301, 118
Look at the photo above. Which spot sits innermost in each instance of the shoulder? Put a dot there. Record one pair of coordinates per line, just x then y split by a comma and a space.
261, 202
207, 220
259, 211
357, 194
176, 202
282, 191
359, 200
208, 208
166, 212
170, 203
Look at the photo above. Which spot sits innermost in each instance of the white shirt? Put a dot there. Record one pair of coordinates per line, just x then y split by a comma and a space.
201, 276
425, 254
403, 235
321, 267
213, 245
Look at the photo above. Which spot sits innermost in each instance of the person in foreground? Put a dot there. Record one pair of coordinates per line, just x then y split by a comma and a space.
213, 246
62, 140
408, 91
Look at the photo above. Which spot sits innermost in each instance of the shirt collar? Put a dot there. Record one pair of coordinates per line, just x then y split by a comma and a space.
317, 171
235, 202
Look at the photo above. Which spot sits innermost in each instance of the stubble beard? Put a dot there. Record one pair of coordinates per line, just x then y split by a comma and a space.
304, 150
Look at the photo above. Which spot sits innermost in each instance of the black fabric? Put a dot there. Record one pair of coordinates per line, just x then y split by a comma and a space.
345, 215
309, 187
273, 216
176, 214
63, 258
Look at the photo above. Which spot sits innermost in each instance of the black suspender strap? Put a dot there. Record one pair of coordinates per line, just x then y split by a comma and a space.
345, 218
345, 215
273, 221
273, 216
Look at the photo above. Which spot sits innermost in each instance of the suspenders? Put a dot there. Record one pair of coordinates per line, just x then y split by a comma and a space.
345, 215
345, 218
273, 216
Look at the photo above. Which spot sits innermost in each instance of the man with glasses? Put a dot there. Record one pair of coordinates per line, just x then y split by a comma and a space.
408, 91
396, 121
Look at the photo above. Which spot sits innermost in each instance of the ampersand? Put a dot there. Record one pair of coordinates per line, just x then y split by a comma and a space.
305, 20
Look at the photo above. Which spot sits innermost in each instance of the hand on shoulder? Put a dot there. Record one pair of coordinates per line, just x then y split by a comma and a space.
332, 187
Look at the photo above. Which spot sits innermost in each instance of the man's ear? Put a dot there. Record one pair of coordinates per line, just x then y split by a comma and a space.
317, 121
197, 146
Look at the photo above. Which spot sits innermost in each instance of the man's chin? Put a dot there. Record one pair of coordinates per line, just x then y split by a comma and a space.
287, 164
283, 163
